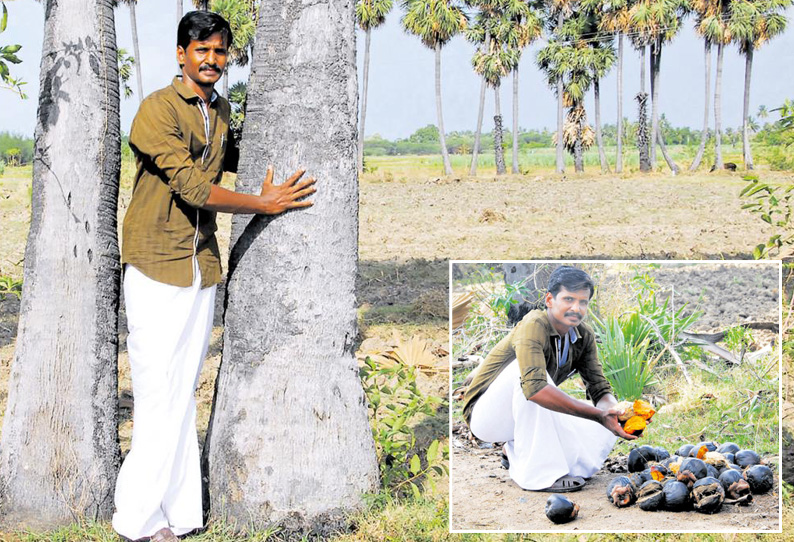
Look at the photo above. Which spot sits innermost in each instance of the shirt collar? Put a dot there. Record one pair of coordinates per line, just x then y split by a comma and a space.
188, 93
573, 333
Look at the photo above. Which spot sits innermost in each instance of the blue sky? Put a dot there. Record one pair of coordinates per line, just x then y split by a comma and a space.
401, 91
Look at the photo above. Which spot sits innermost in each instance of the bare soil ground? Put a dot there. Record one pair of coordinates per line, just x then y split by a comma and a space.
551, 216
484, 497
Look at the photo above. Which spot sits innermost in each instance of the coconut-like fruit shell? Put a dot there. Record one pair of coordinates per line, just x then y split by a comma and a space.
760, 478
635, 425
708, 495
728, 448
639, 458
560, 509
684, 450
691, 470
746, 458
737, 490
621, 492
651, 496
712, 471
676, 496
662, 454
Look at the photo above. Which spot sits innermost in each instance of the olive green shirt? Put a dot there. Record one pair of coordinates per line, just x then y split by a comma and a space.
176, 164
531, 343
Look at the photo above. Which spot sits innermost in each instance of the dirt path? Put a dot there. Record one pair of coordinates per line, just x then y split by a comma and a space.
502, 505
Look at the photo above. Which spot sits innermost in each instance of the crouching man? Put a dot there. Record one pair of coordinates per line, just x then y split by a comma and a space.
553, 441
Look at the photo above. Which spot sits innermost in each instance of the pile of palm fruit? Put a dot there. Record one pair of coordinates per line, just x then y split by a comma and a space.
702, 477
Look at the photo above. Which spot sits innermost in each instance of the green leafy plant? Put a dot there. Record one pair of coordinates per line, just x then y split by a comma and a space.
625, 363
8, 56
512, 295
10, 286
395, 403
738, 337
773, 205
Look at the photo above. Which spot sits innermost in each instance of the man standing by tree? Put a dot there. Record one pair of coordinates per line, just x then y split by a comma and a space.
181, 141
552, 442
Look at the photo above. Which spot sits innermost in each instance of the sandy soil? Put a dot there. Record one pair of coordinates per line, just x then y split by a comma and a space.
519, 218
477, 477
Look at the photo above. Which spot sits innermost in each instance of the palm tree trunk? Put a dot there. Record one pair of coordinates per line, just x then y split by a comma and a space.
441, 136
704, 135
204, 5
643, 62
667, 158
718, 109
599, 140
642, 131
179, 7
657, 63
619, 156
560, 167
365, 83
226, 83
655, 59
748, 69
477, 133
476, 149
134, 27
289, 442
59, 452
499, 151
515, 121
578, 151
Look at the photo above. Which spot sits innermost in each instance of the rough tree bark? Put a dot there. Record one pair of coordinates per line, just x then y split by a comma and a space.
441, 136
642, 131
704, 135
514, 168
59, 452
619, 156
289, 441
499, 151
718, 109
747, 152
136, 49
477, 133
599, 140
178, 11
360, 155
656, 51
560, 165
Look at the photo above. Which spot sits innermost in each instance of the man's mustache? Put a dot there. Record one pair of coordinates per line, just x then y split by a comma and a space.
209, 67
573, 314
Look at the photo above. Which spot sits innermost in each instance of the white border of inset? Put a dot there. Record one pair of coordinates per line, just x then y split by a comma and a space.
781, 293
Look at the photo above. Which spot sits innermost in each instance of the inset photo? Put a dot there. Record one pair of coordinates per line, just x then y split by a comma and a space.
627, 396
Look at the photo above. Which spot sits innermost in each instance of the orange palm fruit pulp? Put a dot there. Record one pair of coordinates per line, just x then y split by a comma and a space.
634, 425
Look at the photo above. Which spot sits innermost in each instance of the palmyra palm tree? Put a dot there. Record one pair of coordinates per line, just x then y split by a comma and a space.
751, 24
135, 49
710, 26
615, 16
656, 22
369, 14
505, 30
435, 22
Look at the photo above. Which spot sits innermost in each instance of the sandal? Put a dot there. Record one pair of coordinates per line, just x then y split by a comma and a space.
565, 484
164, 535
505, 462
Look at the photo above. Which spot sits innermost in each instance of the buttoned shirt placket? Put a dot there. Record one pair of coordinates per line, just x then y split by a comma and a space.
206, 115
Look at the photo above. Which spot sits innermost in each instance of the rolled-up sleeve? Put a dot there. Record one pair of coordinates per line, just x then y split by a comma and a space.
156, 136
592, 374
528, 345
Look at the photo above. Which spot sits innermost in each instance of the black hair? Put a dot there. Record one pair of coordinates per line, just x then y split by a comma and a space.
200, 25
571, 278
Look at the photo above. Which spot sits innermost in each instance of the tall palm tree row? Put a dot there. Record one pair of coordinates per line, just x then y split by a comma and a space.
435, 22
656, 22
751, 24
369, 14
710, 26
504, 28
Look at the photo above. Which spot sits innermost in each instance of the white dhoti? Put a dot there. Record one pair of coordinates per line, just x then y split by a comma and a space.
541, 445
159, 484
